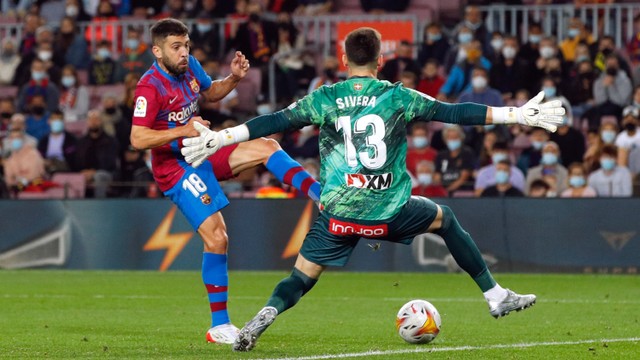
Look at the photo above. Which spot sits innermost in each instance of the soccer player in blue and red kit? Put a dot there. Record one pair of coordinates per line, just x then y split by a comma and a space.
166, 100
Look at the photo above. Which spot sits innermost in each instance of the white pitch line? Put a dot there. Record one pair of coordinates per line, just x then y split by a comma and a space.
456, 348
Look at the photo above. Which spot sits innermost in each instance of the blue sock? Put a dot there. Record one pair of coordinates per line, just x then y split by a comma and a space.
292, 173
216, 280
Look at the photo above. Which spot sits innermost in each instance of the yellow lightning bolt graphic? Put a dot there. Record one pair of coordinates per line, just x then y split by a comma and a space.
161, 239
299, 232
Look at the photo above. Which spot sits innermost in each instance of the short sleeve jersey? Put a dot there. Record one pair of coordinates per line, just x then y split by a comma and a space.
363, 143
163, 101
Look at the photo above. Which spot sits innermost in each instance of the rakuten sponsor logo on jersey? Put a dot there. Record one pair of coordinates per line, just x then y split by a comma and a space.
185, 113
338, 227
371, 182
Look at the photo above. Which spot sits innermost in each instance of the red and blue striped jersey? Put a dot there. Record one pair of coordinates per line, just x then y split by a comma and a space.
163, 101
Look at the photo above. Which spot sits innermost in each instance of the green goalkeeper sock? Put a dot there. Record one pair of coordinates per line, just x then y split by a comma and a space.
289, 291
464, 250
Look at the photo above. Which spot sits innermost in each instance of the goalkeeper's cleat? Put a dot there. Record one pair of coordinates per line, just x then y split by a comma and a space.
250, 333
512, 302
222, 334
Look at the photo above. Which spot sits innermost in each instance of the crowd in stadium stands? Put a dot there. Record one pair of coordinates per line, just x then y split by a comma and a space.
73, 103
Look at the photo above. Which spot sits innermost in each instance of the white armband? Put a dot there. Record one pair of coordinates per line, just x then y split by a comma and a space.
235, 135
506, 115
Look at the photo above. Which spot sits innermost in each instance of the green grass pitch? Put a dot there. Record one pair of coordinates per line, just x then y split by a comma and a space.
151, 315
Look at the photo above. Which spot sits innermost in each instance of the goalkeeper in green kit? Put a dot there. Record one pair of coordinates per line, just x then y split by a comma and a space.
366, 191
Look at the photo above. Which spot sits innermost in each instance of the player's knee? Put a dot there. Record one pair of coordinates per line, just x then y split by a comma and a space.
448, 217
215, 240
268, 146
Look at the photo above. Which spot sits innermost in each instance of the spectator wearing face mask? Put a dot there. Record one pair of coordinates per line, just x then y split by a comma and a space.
18, 124
435, 45
606, 47
454, 165
425, 184
578, 187
39, 85
74, 97
460, 77
37, 120
205, 35
43, 50
579, 91
596, 140
550, 170
9, 61
328, 76
72, 44
611, 92
629, 138
539, 189
402, 62
102, 67
611, 180
473, 21
487, 177
508, 70
136, 56
530, 156
458, 52
480, 91
430, 81
419, 149
24, 164
59, 147
502, 186
7, 109
97, 156
576, 33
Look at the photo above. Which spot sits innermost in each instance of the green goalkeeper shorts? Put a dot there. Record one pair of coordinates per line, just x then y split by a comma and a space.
331, 240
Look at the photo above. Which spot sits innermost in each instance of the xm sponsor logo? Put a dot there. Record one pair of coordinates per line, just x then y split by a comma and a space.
371, 182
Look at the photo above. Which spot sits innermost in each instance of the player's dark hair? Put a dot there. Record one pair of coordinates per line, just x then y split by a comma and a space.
362, 46
167, 27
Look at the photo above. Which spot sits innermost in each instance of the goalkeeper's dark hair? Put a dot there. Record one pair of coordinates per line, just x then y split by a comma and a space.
165, 28
362, 47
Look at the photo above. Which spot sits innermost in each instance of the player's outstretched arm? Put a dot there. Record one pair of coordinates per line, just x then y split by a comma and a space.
220, 88
546, 115
143, 137
197, 149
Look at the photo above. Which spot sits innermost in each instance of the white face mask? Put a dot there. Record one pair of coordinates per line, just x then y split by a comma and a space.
45, 55
72, 11
509, 52
547, 52
497, 44
479, 82
425, 179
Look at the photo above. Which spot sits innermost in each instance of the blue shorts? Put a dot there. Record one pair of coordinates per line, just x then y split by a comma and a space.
198, 194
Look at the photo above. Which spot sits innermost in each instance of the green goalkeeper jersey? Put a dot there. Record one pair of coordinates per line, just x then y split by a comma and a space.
363, 144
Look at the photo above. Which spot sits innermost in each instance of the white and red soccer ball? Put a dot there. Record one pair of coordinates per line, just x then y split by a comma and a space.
418, 322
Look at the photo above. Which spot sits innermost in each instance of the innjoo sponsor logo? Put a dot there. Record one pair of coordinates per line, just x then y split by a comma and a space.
338, 227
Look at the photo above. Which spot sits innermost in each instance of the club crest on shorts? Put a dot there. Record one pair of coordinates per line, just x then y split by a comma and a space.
357, 86
206, 199
194, 86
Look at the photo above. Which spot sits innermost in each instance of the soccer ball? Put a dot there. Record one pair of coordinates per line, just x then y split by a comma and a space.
418, 322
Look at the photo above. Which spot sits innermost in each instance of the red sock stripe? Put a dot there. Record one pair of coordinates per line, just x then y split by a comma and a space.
306, 184
288, 176
218, 306
211, 289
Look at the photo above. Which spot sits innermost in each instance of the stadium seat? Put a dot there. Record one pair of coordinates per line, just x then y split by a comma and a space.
73, 186
8, 91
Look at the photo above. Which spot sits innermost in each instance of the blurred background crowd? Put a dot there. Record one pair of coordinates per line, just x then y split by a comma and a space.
68, 71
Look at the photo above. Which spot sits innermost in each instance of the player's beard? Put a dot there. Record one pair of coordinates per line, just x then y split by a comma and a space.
174, 69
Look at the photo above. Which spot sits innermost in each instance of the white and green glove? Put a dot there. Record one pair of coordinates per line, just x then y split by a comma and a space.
547, 115
197, 149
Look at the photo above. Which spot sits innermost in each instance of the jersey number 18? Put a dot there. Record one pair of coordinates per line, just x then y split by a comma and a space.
374, 141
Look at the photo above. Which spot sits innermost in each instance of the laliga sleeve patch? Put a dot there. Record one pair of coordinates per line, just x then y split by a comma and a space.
141, 107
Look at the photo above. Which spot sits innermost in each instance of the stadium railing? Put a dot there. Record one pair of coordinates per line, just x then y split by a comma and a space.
604, 19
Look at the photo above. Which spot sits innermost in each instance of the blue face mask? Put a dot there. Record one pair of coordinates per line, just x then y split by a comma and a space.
434, 37
454, 145
502, 177
16, 144
425, 179
133, 43
607, 163
497, 157
549, 91
549, 159
577, 181
537, 144
573, 32
203, 28
608, 136
38, 75
57, 126
104, 53
420, 142
534, 39
68, 81
465, 38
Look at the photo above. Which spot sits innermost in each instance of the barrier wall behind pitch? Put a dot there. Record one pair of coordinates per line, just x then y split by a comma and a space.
519, 235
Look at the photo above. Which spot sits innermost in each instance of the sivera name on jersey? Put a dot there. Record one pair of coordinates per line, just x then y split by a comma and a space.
371, 182
360, 100
185, 113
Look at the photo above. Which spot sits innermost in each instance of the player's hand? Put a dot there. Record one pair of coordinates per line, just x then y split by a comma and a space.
190, 130
197, 149
547, 115
239, 66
